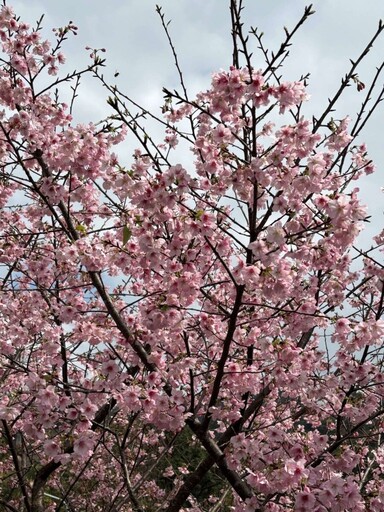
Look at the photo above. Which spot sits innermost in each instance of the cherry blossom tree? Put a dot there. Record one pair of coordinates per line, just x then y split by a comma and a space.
204, 337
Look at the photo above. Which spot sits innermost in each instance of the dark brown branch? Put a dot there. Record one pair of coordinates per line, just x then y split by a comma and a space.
46, 471
225, 353
18, 470
214, 450
192, 480
346, 80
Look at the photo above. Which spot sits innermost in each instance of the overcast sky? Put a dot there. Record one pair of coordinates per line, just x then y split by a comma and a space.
136, 46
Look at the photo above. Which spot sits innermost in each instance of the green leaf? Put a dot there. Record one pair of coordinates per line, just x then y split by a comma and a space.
198, 214
81, 229
127, 233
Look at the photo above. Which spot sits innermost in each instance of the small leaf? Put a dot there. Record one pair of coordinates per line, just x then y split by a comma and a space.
127, 233
81, 229
198, 214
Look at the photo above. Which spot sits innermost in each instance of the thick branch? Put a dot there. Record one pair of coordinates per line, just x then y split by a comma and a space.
20, 477
46, 471
214, 450
225, 353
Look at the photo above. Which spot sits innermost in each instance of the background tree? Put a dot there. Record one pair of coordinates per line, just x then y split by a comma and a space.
196, 339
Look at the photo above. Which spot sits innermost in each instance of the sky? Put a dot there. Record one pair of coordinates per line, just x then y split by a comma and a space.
137, 48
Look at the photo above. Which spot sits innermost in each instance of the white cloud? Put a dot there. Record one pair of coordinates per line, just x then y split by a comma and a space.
137, 47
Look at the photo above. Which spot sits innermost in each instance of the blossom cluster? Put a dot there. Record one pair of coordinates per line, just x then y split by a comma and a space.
221, 301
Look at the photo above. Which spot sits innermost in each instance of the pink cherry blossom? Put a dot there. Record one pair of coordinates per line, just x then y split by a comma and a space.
204, 335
